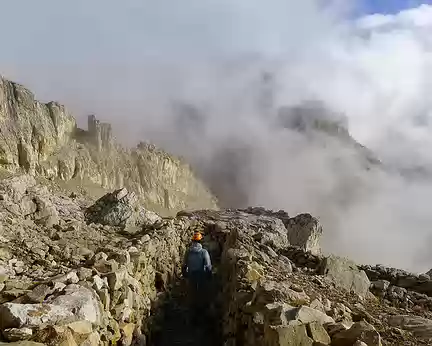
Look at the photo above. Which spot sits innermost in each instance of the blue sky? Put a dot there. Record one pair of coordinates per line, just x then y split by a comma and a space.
390, 6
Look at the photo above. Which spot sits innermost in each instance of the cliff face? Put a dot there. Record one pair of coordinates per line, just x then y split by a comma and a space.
43, 140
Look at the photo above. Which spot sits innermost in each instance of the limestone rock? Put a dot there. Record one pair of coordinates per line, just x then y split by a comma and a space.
380, 286
360, 331
114, 209
284, 314
397, 277
318, 333
17, 334
305, 232
83, 302
287, 336
81, 327
38, 294
120, 208
30, 315
55, 335
421, 327
270, 291
305, 315
345, 273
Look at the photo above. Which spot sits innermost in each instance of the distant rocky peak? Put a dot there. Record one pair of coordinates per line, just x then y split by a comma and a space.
313, 115
101, 133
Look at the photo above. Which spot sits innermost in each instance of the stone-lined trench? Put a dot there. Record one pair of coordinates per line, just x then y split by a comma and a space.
128, 289
174, 322
111, 276
235, 242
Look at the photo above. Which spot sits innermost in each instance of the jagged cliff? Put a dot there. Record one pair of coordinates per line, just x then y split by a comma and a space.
44, 140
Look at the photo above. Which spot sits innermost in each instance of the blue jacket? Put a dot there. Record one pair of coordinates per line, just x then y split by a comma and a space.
197, 260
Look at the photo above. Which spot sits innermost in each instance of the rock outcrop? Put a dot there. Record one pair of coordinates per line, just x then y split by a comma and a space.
346, 274
385, 278
121, 209
43, 139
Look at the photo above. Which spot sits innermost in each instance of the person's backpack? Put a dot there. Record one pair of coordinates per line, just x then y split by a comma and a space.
195, 260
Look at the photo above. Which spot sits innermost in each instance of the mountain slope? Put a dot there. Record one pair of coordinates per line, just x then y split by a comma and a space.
71, 274
43, 140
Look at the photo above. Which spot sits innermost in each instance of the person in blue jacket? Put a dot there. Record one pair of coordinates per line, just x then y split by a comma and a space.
197, 269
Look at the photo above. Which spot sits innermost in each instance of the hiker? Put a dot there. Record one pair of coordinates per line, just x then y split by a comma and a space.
197, 269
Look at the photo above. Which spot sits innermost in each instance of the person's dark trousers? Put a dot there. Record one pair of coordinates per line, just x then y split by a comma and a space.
198, 295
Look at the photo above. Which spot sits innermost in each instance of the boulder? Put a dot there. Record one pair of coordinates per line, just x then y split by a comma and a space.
380, 287
271, 291
318, 333
344, 273
284, 314
305, 314
17, 334
92, 340
23, 196
78, 303
55, 335
120, 209
360, 331
419, 326
31, 315
84, 303
38, 294
15, 188
359, 343
295, 335
305, 231
81, 327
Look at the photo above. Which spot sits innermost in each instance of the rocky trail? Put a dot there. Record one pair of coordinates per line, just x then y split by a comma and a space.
177, 324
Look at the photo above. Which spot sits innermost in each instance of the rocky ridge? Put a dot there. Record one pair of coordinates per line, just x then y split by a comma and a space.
44, 140
80, 273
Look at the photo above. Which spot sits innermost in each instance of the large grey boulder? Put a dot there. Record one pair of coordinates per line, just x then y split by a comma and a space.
360, 331
345, 273
22, 196
83, 302
419, 326
305, 231
284, 314
120, 209
31, 315
293, 335
78, 303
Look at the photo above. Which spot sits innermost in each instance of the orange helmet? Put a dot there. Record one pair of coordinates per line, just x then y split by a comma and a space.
197, 236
